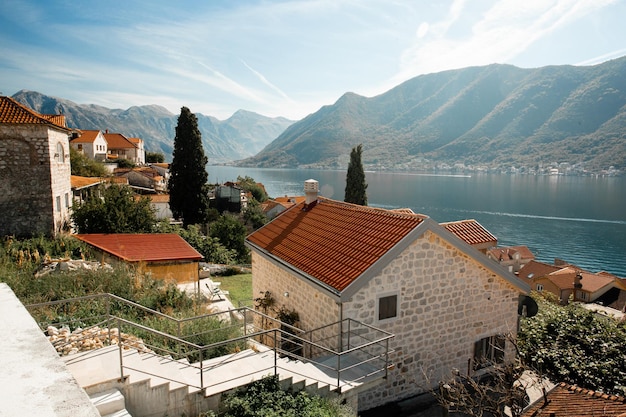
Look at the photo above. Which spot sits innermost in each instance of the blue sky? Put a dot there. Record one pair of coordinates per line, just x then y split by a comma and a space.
283, 58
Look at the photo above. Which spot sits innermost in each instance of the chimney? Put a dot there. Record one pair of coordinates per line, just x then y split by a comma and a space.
311, 190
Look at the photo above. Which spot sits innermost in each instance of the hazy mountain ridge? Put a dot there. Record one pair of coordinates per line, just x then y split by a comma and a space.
491, 115
242, 135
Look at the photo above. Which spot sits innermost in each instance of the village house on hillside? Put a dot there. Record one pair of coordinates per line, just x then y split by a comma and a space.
447, 304
571, 283
91, 143
119, 146
35, 189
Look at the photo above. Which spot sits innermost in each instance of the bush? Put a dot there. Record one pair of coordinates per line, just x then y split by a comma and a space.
574, 345
265, 398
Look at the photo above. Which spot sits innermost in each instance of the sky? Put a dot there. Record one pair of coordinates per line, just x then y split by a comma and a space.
283, 57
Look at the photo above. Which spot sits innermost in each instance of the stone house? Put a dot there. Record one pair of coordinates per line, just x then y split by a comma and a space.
91, 143
164, 255
35, 189
447, 304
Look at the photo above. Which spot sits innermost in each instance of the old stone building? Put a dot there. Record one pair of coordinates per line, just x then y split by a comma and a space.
35, 190
447, 304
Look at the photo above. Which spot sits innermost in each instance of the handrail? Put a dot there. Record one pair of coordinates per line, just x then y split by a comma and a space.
279, 332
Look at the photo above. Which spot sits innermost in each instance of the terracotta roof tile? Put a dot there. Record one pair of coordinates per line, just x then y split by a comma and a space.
12, 112
572, 401
86, 136
149, 247
507, 252
470, 231
536, 269
333, 241
564, 279
118, 141
78, 182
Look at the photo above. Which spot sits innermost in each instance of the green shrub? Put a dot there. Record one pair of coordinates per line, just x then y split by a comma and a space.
265, 398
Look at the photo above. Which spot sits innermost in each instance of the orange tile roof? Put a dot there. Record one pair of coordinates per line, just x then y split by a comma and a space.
12, 112
536, 269
572, 401
506, 253
564, 279
332, 241
148, 247
86, 136
78, 182
291, 199
118, 141
157, 198
470, 231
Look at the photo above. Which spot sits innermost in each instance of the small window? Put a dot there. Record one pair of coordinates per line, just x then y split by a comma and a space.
489, 351
539, 287
387, 307
59, 155
58, 203
67, 200
582, 295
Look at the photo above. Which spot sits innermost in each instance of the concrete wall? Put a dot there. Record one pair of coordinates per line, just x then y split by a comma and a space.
447, 302
34, 380
34, 177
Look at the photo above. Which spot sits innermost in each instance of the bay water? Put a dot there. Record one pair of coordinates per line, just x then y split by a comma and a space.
581, 220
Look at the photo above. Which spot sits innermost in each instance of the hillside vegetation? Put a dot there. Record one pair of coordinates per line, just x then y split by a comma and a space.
495, 115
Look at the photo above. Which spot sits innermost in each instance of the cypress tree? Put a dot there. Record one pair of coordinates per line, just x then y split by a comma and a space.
189, 200
355, 179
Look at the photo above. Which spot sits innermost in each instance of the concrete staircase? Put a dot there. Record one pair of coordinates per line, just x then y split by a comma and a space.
110, 403
156, 385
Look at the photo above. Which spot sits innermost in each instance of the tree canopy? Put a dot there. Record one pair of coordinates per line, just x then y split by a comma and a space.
355, 179
189, 199
155, 157
117, 211
86, 167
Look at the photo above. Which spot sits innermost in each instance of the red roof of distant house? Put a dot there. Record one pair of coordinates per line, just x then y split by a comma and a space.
86, 136
572, 401
148, 247
507, 252
536, 269
564, 279
333, 241
470, 231
290, 199
13, 112
78, 182
118, 141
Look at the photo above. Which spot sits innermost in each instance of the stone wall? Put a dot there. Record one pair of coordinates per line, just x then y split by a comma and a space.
33, 180
447, 302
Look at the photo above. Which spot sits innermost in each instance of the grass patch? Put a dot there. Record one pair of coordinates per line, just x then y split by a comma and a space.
239, 288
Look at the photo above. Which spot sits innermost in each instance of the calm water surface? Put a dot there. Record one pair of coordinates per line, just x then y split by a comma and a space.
579, 219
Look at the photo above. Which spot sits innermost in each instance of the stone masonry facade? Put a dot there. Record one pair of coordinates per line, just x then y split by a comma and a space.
35, 188
446, 302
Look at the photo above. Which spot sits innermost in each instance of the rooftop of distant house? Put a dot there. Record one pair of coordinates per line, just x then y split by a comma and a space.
471, 232
570, 400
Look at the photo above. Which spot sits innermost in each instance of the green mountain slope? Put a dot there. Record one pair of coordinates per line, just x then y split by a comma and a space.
495, 115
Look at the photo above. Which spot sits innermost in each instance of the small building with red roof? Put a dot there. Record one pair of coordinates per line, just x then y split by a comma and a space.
512, 257
91, 143
119, 146
164, 255
446, 304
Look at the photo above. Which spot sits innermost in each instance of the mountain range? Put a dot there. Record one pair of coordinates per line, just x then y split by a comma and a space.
495, 115
242, 135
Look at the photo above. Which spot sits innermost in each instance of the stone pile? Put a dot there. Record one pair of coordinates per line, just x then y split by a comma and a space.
68, 265
68, 342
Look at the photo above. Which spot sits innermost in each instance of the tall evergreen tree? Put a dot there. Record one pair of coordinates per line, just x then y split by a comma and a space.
189, 200
355, 179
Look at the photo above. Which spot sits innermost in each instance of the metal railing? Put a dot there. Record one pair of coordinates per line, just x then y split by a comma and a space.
347, 352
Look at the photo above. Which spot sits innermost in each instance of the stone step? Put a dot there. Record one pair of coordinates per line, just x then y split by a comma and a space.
108, 402
121, 413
